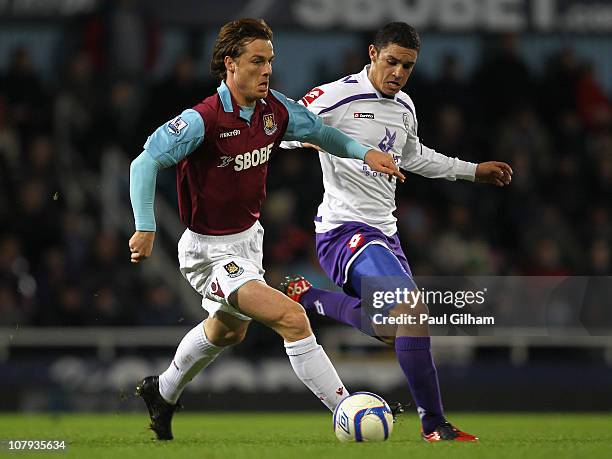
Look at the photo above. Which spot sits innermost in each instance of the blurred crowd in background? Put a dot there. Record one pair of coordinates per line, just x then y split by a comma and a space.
61, 264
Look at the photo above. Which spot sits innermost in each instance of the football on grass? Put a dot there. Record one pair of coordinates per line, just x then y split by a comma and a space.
363, 416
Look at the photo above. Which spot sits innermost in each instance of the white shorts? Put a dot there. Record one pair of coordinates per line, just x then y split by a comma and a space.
217, 266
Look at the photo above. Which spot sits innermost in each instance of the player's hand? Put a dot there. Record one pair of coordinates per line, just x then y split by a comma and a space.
494, 172
383, 162
141, 245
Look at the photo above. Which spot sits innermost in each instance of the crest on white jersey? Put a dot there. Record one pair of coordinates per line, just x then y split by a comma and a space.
409, 122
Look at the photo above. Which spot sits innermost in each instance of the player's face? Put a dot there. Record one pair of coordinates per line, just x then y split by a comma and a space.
249, 74
390, 67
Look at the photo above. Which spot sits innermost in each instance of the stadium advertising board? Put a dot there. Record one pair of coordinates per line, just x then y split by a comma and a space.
460, 15
543, 16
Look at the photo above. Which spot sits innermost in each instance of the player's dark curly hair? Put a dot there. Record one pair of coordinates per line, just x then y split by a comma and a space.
398, 33
232, 39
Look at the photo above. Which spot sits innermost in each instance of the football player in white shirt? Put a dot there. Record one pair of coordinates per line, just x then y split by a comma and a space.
356, 233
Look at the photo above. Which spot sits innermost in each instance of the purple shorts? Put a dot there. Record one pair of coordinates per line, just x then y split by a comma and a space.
338, 248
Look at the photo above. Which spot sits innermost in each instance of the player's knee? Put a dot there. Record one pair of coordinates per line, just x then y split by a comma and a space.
411, 328
388, 340
416, 309
233, 337
223, 338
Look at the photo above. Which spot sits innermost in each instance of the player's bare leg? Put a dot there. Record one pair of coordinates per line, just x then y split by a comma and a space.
288, 318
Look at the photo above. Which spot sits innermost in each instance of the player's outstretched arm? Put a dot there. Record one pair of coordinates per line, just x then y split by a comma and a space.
306, 127
339, 144
377, 161
494, 172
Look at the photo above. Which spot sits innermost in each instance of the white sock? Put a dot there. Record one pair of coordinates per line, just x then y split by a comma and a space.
313, 367
194, 353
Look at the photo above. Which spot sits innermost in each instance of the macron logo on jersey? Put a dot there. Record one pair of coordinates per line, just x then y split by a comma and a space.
225, 135
253, 158
312, 96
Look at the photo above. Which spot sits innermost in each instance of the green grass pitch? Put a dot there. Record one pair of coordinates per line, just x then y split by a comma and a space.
308, 435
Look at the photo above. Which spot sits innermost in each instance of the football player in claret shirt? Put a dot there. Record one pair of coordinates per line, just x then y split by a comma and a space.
221, 148
356, 232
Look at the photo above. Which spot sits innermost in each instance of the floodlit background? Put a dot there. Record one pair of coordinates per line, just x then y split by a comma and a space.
82, 85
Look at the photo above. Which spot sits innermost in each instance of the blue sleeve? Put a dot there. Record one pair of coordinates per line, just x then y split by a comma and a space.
167, 146
305, 126
302, 123
143, 176
176, 139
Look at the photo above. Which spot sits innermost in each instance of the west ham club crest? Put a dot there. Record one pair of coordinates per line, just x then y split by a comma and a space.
233, 270
270, 126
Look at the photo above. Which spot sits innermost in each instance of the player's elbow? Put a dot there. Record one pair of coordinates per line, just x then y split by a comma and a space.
136, 165
145, 165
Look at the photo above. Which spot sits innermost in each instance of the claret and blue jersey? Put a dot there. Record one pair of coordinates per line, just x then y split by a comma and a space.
222, 184
222, 151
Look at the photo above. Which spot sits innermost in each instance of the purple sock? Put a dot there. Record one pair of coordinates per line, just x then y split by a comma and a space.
337, 306
414, 356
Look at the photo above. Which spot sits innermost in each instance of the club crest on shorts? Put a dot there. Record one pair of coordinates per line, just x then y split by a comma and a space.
233, 270
270, 126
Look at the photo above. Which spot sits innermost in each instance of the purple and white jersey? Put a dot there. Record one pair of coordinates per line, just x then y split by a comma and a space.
353, 192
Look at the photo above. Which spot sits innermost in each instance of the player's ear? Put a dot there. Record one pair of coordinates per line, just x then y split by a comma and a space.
230, 64
372, 52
